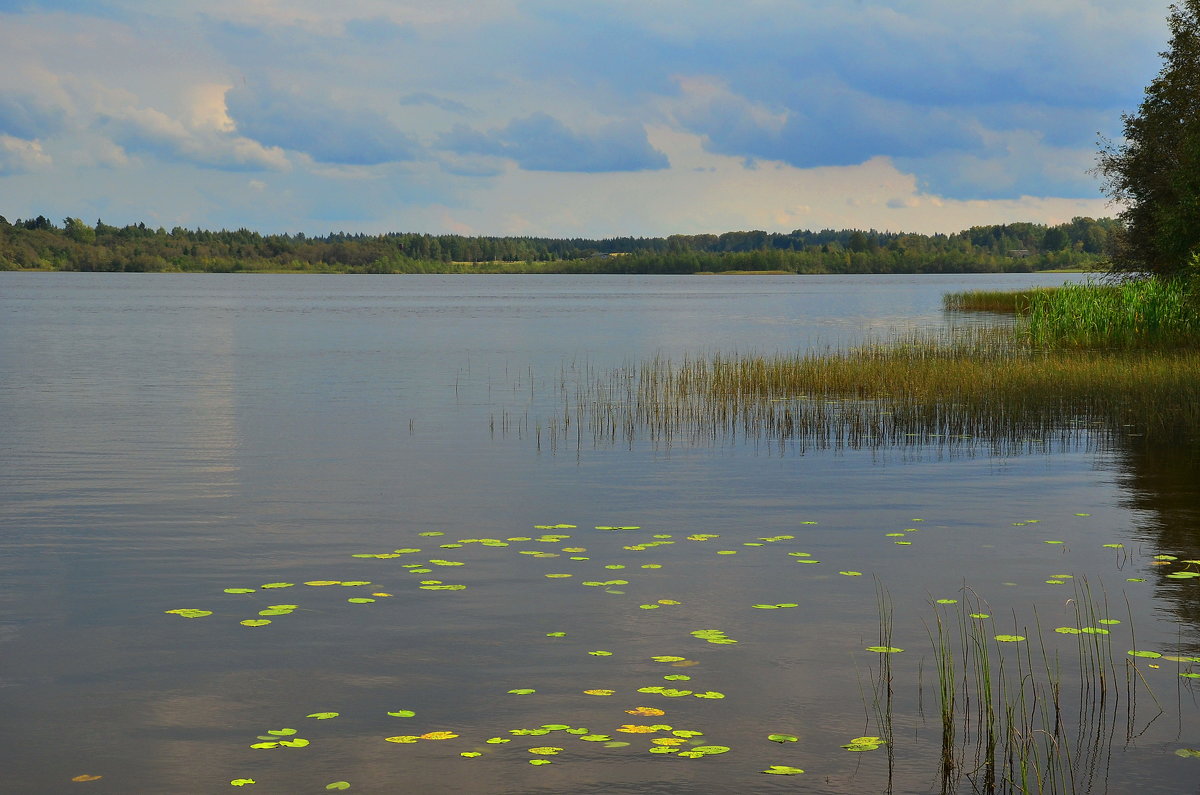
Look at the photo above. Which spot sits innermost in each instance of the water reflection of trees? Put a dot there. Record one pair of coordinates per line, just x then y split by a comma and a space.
1161, 480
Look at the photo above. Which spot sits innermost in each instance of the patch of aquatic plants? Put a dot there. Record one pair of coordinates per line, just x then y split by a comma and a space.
1134, 314
999, 301
967, 389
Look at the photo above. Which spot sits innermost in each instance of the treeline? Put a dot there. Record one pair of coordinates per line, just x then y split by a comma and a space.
73, 245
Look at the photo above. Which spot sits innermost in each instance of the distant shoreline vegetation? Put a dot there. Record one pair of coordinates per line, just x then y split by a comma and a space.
73, 245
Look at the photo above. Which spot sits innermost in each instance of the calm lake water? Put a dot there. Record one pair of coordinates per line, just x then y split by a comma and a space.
164, 438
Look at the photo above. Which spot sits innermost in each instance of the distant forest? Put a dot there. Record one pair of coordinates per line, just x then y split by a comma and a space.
73, 245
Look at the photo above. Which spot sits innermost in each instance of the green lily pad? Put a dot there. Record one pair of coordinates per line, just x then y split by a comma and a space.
884, 649
1010, 638
323, 715
782, 738
783, 770
1150, 654
338, 785
402, 713
255, 622
189, 612
522, 691
298, 742
240, 590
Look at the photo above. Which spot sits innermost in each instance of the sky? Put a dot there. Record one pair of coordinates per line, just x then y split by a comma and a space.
566, 118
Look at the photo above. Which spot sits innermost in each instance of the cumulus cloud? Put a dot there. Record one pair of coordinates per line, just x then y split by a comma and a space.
18, 156
318, 127
148, 130
540, 142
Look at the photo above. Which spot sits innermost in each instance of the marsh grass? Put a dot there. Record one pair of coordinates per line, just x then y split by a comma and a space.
999, 301
965, 389
1146, 313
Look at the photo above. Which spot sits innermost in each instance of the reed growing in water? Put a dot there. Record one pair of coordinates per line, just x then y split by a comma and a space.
1095, 362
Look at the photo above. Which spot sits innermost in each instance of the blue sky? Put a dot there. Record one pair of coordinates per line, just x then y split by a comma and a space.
566, 117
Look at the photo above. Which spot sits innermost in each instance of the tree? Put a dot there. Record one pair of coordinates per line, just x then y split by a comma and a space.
1155, 170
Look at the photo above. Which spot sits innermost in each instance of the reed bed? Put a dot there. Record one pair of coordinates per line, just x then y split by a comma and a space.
1151, 313
970, 388
999, 301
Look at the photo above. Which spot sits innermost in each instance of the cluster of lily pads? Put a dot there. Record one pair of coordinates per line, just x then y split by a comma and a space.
666, 740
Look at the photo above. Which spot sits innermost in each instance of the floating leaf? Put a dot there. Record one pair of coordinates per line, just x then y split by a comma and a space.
630, 728
650, 711
1010, 638
522, 691
240, 590
470, 754
539, 762
556, 634
546, 750
667, 658
1113, 546
338, 785
189, 612
255, 622
299, 742
403, 738
783, 770
402, 713
677, 677
595, 738
686, 733
981, 615
710, 750
1190, 675
323, 715
271, 744
947, 601
851, 573
1150, 654
1068, 631
1108, 621
360, 600
497, 740
281, 732
242, 782
1188, 752
278, 585
782, 738
709, 694
443, 735
599, 692
600, 653
89, 777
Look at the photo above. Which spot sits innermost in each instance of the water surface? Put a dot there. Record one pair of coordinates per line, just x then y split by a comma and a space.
166, 437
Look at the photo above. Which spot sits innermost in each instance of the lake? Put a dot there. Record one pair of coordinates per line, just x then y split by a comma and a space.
168, 438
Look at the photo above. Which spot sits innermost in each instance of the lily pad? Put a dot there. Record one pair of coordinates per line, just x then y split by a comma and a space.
783, 770
884, 649
782, 738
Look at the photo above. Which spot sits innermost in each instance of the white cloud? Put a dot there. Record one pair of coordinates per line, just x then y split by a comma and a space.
18, 156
